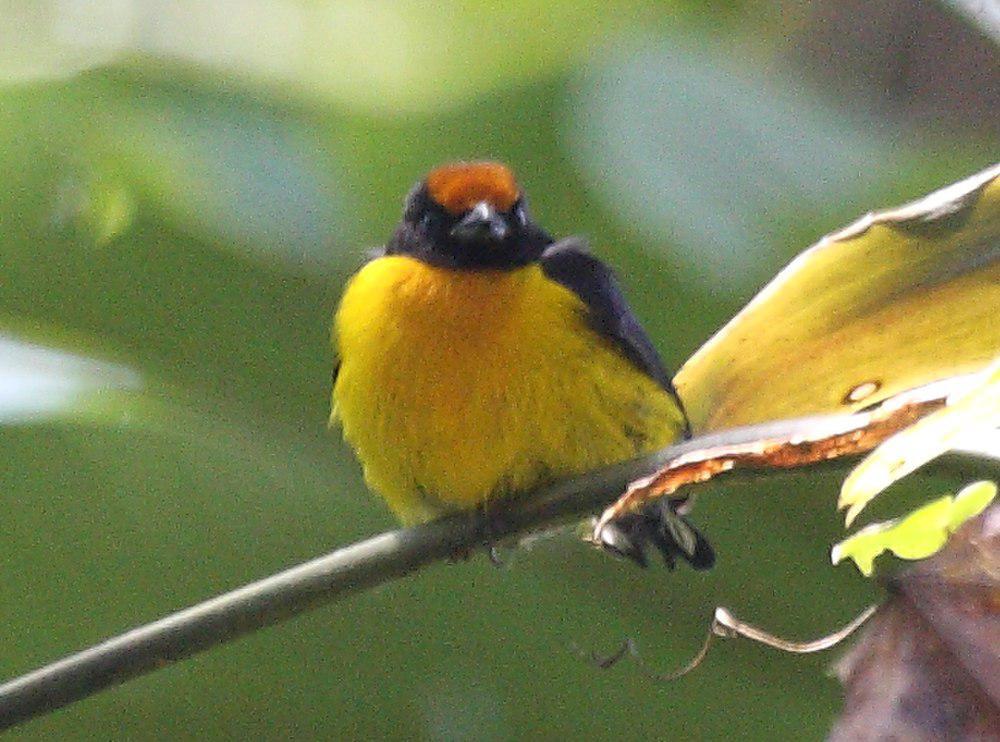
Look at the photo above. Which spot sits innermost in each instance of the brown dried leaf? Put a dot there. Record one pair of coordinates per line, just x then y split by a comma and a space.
927, 666
789, 444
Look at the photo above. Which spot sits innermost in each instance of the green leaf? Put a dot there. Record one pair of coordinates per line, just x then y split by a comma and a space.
917, 535
970, 502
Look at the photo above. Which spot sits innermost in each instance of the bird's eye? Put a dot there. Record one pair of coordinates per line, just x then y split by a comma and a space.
520, 212
427, 220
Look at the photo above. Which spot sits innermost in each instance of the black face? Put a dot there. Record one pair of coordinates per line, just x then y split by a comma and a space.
482, 237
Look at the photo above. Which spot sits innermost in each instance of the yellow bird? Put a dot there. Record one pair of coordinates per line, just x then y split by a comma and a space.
479, 358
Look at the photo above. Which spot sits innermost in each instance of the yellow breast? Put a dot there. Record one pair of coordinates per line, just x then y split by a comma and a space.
458, 386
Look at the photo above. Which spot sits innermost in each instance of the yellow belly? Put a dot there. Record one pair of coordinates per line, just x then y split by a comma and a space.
456, 387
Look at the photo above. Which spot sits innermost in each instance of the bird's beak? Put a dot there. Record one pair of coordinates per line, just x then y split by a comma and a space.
482, 223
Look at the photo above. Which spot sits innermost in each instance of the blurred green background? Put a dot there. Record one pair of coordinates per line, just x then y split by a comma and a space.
186, 187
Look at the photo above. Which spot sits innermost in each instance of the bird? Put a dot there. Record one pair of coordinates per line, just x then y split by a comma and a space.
479, 358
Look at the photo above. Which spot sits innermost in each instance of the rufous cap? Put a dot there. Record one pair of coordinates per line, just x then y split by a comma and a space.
458, 187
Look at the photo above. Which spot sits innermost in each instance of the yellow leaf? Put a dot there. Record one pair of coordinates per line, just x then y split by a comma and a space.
975, 409
899, 299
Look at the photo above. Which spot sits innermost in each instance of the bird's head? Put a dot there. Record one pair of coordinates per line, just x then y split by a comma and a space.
469, 215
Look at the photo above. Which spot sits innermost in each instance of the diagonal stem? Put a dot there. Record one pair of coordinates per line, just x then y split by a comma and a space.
351, 569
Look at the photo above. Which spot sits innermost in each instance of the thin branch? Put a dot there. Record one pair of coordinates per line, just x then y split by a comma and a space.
343, 572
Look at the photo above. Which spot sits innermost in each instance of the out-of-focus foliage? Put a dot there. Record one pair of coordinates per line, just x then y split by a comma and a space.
186, 187
39, 383
660, 128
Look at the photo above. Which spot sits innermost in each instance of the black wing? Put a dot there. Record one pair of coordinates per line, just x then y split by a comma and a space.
567, 262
